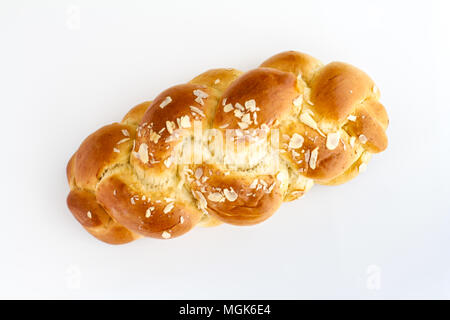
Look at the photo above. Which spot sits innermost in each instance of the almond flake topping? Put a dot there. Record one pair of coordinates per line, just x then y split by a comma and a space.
228, 107
148, 212
239, 106
215, 197
313, 159
197, 110
170, 126
123, 140
332, 140
89, 215
181, 220
231, 195
125, 132
154, 137
375, 90
306, 118
143, 152
185, 122
246, 118
243, 125
165, 102
351, 118
116, 150
166, 235
169, 207
297, 102
362, 138
307, 156
238, 113
198, 173
250, 105
200, 95
263, 183
352, 141
271, 187
296, 141
199, 101
168, 162
362, 167
202, 203
308, 95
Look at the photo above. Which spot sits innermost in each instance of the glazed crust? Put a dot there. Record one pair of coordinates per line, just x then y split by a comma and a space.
149, 175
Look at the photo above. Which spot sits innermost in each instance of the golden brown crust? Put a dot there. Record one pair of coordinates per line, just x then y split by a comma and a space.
328, 164
337, 88
236, 198
134, 116
147, 214
272, 91
356, 167
219, 79
140, 177
108, 145
371, 122
69, 171
95, 220
295, 62
169, 119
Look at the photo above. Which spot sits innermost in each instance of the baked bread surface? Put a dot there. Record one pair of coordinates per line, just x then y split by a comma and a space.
266, 136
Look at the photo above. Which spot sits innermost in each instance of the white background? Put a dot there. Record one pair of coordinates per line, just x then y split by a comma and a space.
67, 68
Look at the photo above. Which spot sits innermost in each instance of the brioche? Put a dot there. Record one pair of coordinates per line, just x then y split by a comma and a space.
226, 147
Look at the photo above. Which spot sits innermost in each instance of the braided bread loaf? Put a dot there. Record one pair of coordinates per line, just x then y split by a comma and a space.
323, 123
